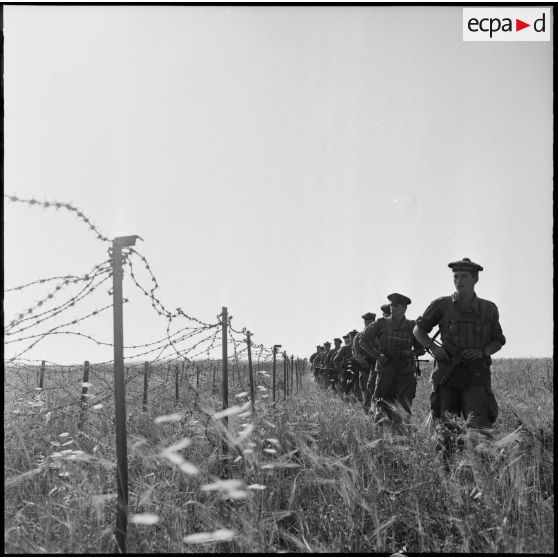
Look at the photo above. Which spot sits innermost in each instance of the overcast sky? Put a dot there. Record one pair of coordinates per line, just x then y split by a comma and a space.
295, 164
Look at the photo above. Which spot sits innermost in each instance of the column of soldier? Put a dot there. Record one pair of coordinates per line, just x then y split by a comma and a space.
378, 366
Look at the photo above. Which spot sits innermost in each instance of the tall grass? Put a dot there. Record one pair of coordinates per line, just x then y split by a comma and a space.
313, 474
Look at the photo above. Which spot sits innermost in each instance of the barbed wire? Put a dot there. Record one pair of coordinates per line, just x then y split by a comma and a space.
73, 322
156, 303
57, 205
98, 270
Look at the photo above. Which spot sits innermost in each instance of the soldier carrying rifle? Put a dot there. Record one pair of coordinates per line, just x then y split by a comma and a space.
341, 363
313, 361
331, 372
470, 332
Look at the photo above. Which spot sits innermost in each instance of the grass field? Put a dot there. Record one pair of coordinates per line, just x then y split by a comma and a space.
313, 474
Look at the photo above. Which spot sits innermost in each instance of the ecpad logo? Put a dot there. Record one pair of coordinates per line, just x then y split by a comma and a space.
506, 24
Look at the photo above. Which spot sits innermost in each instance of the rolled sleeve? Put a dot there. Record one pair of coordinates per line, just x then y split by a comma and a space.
367, 339
431, 317
496, 333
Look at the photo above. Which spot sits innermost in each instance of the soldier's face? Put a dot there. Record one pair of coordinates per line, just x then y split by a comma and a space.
398, 311
464, 281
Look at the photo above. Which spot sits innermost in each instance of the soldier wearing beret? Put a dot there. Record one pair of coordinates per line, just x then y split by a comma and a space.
391, 342
366, 362
470, 332
314, 355
314, 362
341, 362
353, 369
331, 371
321, 364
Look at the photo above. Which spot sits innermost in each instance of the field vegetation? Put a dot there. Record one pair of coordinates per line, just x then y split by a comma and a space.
312, 474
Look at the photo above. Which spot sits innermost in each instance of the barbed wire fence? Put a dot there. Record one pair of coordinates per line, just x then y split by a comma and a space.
179, 372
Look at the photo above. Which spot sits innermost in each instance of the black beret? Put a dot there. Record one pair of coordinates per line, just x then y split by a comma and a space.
397, 298
327, 343
369, 316
385, 308
337, 340
353, 332
346, 336
465, 265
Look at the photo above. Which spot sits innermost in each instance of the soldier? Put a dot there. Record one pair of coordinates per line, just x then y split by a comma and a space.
391, 341
386, 313
470, 332
353, 369
320, 364
341, 363
331, 371
366, 362
314, 361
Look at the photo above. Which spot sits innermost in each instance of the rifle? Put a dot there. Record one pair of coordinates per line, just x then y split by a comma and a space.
456, 358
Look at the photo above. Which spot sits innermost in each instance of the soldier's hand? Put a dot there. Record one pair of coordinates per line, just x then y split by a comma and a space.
439, 353
383, 360
472, 354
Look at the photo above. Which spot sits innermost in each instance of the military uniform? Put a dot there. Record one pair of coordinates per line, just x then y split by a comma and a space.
312, 360
321, 365
468, 390
366, 362
395, 346
331, 371
341, 362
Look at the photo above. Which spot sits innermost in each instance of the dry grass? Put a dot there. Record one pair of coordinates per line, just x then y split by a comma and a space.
312, 475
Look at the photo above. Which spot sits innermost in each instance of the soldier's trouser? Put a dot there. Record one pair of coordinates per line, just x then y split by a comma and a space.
391, 388
476, 404
332, 378
363, 383
370, 388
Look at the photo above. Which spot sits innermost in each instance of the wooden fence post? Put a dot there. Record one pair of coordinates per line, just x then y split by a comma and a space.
120, 393
176, 391
197, 377
285, 372
84, 389
251, 372
42, 375
224, 325
213, 384
145, 381
274, 368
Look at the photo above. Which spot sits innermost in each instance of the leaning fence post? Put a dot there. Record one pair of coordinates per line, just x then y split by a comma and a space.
42, 375
120, 392
251, 372
145, 380
84, 389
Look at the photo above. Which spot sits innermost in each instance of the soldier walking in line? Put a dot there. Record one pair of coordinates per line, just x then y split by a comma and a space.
321, 364
314, 362
367, 363
353, 370
331, 371
341, 363
470, 332
391, 342
386, 313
